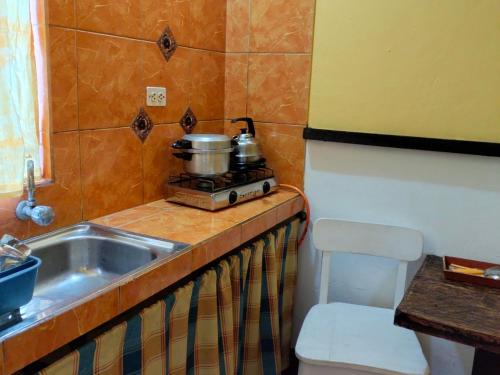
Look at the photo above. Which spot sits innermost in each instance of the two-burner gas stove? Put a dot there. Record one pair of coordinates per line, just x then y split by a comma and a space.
214, 193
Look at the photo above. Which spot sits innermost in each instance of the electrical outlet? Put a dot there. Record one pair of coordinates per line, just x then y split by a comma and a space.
156, 96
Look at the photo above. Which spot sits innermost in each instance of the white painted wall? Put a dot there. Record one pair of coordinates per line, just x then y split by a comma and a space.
454, 200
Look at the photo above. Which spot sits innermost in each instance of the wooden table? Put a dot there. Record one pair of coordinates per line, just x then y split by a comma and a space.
456, 311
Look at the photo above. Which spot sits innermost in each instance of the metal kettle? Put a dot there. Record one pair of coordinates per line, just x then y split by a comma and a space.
247, 149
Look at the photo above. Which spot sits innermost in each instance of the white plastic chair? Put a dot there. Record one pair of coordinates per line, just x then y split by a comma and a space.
346, 339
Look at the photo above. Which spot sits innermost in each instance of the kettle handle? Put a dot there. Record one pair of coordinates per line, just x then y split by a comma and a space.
249, 121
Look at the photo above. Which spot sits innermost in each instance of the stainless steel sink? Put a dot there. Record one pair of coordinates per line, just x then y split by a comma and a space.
85, 258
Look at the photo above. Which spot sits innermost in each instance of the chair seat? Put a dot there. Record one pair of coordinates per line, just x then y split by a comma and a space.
359, 338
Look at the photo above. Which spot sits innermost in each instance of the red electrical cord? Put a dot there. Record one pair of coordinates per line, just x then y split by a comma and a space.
306, 205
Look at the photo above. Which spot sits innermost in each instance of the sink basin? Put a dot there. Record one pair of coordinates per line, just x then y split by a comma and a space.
75, 265
86, 257
81, 260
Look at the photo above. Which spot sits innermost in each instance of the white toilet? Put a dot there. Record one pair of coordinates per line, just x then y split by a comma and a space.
346, 339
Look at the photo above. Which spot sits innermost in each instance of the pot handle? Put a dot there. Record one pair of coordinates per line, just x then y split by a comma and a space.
249, 121
183, 155
182, 144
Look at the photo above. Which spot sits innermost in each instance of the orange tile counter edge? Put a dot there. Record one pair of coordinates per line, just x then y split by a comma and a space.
227, 230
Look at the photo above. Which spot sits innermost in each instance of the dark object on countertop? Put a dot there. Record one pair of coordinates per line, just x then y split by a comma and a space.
17, 285
461, 312
456, 269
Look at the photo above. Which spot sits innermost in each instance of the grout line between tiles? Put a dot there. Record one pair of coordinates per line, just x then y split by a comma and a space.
275, 123
247, 96
137, 220
202, 49
280, 123
143, 141
304, 53
132, 38
80, 161
127, 127
66, 131
250, 12
247, 84
269, 53
107, 128
75, 12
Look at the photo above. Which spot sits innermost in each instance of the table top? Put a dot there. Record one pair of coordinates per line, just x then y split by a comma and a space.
456, 311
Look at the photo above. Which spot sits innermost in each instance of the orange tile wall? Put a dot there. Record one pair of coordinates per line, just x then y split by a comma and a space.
268, 64
234, 58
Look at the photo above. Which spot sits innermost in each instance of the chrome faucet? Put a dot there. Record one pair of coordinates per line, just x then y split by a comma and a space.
27, 209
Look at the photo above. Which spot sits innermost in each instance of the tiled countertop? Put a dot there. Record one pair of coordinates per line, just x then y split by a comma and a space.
210, 235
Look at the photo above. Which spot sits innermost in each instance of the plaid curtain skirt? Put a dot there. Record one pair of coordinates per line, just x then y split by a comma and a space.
236, 318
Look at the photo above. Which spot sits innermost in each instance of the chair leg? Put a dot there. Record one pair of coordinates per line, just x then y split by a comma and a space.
486, 363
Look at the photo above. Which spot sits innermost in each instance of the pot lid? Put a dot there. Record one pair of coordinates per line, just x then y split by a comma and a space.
206, 137
208, 141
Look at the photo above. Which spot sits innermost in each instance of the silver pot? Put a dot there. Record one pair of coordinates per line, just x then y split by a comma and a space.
204, 154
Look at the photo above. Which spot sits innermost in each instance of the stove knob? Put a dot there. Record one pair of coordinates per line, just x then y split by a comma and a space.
266, 187
233, 197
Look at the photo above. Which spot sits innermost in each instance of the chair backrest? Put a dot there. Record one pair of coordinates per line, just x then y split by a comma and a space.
399, 243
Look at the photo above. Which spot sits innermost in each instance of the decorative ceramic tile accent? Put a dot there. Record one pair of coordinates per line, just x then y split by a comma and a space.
167, 43
188, 121
142, 125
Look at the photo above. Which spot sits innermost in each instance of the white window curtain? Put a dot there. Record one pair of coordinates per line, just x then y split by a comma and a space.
18, 97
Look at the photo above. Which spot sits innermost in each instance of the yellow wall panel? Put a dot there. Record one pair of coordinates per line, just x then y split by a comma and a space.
425, 68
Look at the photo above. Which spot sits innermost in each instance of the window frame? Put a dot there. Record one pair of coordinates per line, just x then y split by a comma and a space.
40, 44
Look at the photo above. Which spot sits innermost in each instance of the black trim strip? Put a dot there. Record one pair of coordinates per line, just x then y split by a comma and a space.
399, 141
